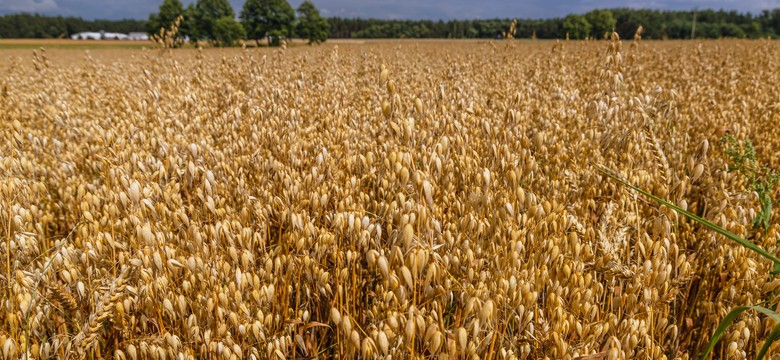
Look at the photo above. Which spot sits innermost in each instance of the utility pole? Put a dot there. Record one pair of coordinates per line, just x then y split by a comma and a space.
693, 26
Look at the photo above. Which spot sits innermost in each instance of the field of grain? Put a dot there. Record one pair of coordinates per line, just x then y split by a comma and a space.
401, 200
6, 44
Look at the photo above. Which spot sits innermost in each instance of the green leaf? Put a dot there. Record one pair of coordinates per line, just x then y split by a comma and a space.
692, 216
731, 316
773, 336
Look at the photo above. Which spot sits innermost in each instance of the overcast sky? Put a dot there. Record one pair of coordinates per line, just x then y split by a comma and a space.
391, 9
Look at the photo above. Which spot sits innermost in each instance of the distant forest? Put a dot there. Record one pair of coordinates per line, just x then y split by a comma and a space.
711, 24
47, 27
657, 25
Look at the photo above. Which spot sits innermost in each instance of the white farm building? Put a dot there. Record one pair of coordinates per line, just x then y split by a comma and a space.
138, 36
102, 35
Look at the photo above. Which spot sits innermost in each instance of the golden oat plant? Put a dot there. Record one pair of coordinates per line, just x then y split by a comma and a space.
774, 335
374, 200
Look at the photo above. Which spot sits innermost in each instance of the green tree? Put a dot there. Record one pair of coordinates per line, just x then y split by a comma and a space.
189, 27
771, 21
601, 22
207, 12
227, 31
272, 19
732, 31
169, 11
576, 26
311, 25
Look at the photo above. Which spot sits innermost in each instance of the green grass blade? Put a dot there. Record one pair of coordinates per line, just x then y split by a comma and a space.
694, 217
730, 317
773, 336
768, 312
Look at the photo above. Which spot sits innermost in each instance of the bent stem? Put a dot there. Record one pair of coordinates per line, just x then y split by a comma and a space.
700, 220
731, 316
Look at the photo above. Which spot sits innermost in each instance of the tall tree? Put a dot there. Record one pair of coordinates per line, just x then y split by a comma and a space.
576, 26
601, 22
189, 27
771, 21
272, 19
311, 26
227, 31
169, 11
207, 12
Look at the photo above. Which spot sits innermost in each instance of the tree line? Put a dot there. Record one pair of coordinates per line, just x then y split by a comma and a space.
657, 24
274, 20
36, 26
215, 21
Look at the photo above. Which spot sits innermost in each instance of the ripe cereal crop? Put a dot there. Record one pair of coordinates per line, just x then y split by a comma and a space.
384, 199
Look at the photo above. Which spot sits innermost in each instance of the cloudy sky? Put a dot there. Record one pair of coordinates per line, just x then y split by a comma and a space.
391, 9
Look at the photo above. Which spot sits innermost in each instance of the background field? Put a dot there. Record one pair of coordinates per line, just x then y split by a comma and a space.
420, 199
6, 44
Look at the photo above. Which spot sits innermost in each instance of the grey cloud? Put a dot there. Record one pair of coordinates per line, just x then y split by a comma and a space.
28, 6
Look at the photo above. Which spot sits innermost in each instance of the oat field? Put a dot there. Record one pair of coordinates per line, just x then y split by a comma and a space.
384, 199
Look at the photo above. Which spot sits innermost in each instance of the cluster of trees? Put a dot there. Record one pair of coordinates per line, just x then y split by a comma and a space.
656, 23
214, 21
16, 26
